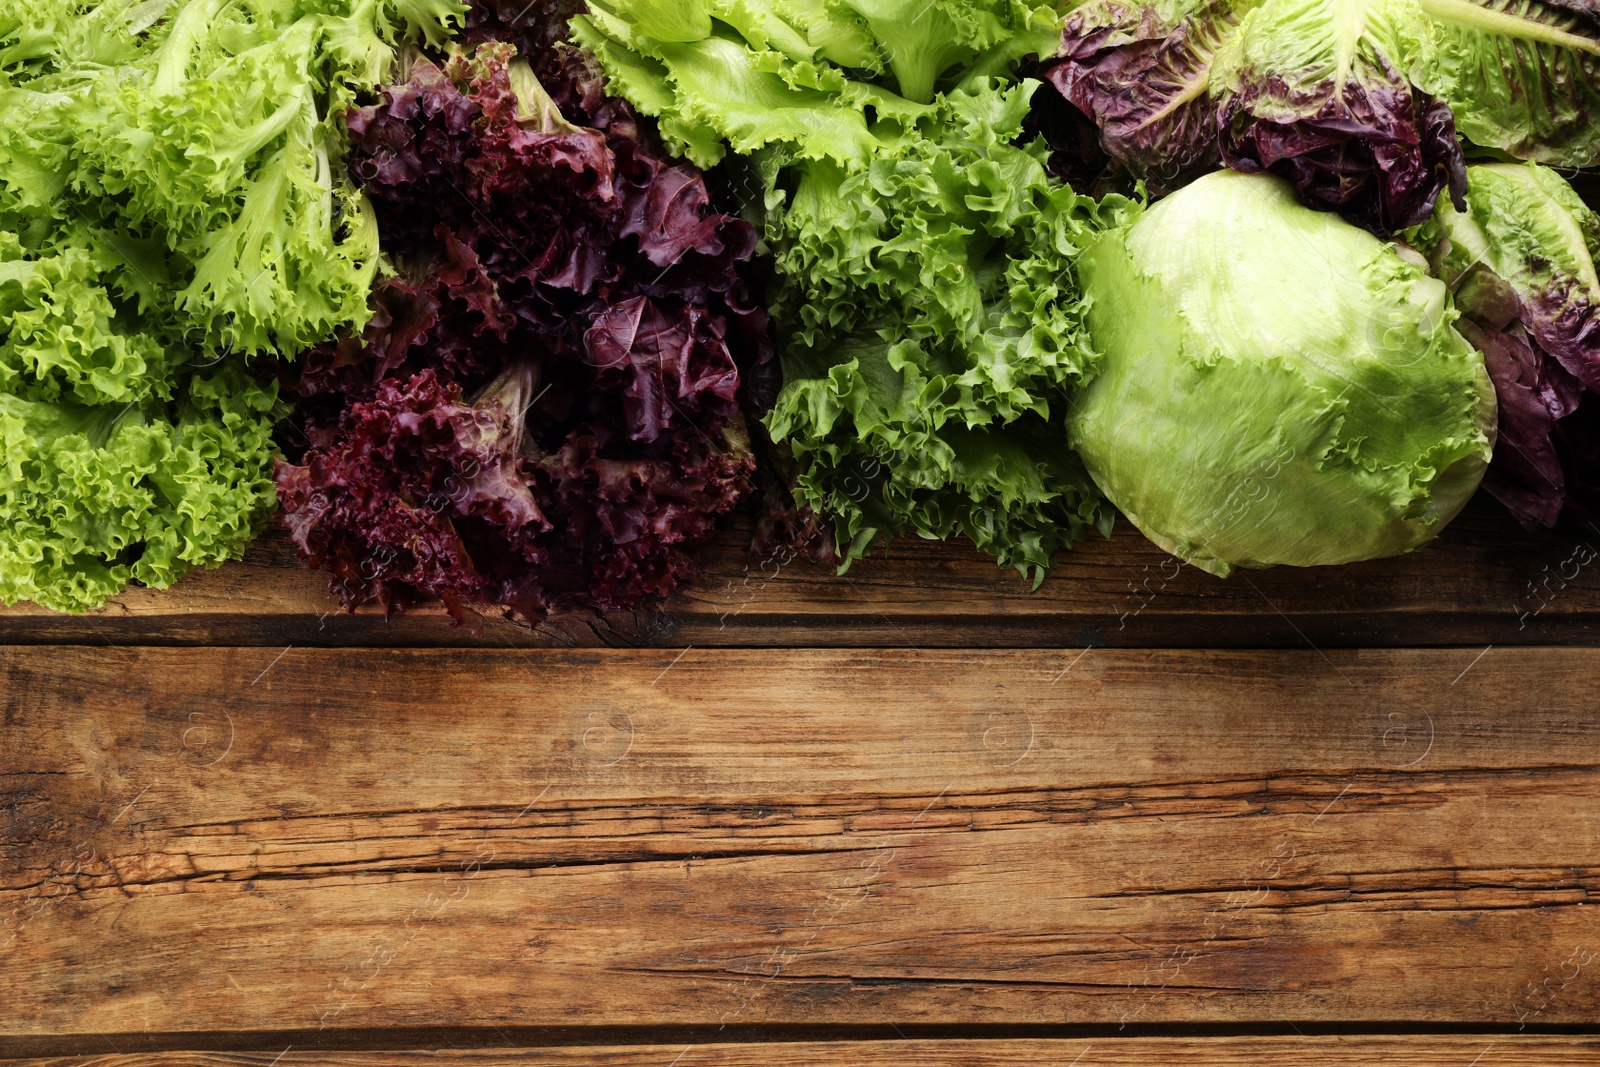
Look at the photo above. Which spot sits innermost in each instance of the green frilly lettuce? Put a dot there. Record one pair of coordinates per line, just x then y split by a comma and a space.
204, 135
928, 307
124, 460
63, 336
92, 498
172, 202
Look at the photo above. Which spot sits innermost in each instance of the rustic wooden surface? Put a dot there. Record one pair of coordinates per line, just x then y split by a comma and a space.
1323, 817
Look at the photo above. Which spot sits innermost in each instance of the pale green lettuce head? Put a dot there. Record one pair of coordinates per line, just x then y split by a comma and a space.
1277, 386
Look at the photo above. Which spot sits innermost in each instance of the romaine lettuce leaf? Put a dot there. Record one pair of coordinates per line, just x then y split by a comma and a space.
1524, 227
1522, 76
1521, 260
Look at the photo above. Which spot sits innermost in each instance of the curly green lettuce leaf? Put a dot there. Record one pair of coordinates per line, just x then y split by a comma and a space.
211, 128
63, 336
935, 326
95, 497
821, 79
717, 91
927, 305
926, 40
881, 463
172, 197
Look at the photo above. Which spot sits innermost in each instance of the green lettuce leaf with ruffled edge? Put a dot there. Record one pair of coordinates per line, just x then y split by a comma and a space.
172, 201
95, 497
63, 336
209, 130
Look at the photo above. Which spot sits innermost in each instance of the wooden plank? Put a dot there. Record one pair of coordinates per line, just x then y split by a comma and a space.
1485, 582
253, 840
1432, 1050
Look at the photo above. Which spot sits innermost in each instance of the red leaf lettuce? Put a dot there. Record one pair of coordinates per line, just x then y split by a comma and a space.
547, 409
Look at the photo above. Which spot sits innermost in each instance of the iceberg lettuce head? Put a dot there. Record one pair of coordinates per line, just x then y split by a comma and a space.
1276, 385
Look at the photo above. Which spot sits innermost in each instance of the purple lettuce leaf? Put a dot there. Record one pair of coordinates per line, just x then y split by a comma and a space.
378, 508
1380, 153
669, 368
1142, 76
427, 494
1176, 86
1535, 394
1519, 257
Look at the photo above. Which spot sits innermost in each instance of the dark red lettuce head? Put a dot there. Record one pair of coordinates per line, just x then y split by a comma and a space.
424, 493
378, 506
669, 368
547, 410
444, 314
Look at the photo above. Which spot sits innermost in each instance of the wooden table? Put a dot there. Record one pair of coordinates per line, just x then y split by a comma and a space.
914, 815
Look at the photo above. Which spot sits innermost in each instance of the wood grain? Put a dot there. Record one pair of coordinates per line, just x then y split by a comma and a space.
255, 840
1424, 1051
1486, 581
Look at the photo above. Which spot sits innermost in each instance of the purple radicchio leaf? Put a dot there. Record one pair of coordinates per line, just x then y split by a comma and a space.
1143, 78
1534, 394
1173, 88
1376, 150
1520, 260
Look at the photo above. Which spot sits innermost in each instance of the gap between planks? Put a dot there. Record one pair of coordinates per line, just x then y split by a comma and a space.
1353, 1050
